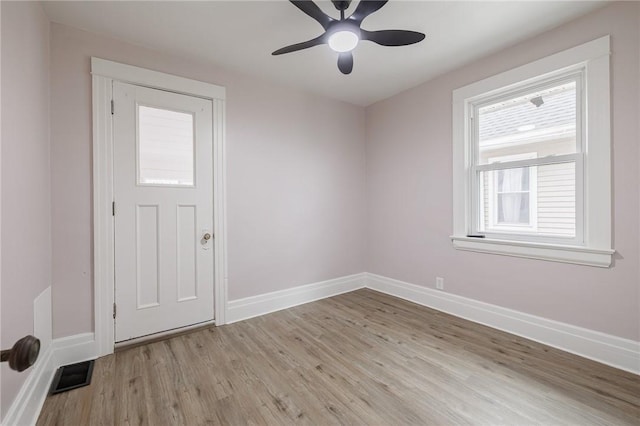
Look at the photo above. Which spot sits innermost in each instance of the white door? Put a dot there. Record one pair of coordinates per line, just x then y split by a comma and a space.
163, 191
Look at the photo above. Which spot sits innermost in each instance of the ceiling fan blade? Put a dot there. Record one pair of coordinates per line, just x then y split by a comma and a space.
392, 37
299, 46
345, 62
366, 8
312, 9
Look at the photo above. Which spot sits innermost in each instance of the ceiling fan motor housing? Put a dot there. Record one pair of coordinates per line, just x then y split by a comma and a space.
341, 4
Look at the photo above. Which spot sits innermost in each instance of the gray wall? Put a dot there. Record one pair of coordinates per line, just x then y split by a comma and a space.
26, 200
409, 192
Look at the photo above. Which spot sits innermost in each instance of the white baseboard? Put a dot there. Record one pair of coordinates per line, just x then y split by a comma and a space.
67, 350
607, 349
28, 401
254, 306
72, 349
611, 350
25, 409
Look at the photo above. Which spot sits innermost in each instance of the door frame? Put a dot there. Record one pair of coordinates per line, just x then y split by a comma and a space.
104, 73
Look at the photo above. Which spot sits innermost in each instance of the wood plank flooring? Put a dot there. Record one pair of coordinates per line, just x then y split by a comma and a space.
357, 358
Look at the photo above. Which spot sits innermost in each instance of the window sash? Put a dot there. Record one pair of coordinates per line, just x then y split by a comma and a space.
527, 232
538, 161
576, 75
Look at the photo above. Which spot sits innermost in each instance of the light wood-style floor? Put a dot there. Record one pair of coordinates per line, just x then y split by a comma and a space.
357, 358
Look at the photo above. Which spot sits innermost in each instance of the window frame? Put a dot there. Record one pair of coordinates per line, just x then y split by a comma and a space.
593, 158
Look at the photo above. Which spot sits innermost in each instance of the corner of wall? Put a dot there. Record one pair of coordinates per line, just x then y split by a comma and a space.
29, 399
26, 279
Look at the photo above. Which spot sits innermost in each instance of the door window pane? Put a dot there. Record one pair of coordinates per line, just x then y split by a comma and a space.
165, 147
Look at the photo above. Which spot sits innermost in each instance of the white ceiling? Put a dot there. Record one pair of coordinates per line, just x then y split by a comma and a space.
240, 36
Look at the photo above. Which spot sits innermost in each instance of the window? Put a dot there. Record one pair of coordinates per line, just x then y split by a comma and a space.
532, 160
534, 199
165, 147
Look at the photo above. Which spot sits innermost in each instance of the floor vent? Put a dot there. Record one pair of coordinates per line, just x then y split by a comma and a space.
72, 376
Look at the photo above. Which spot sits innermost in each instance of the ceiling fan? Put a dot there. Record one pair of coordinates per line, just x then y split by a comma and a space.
344, 35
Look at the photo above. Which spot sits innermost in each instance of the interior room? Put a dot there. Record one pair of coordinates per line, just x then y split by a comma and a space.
320, 212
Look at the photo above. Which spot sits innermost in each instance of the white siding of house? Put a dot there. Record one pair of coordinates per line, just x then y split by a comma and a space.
556, 199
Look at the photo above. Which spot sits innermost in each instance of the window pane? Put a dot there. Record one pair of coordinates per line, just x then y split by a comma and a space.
165, 147
513, 180
542, 121
513, 208
540, 200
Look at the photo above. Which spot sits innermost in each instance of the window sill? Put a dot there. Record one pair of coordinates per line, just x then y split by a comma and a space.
550, 252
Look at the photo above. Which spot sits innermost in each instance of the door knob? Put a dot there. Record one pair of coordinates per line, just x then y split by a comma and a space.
206, 238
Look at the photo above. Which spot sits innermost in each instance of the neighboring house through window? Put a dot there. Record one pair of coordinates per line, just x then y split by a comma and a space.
510, 200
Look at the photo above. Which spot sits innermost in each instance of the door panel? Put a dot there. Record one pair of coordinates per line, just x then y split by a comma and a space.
163, 189
147, 256
186, 256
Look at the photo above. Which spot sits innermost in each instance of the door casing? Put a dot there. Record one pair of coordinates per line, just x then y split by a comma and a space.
104, 73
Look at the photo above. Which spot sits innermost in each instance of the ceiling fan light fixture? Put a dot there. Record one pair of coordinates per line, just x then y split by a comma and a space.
343, 41
344, 34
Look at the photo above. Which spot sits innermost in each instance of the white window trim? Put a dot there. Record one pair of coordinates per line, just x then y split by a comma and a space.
104, 73
597, 249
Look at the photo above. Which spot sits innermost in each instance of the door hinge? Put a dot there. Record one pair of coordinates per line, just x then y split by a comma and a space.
113, 208
114, 311
112, 107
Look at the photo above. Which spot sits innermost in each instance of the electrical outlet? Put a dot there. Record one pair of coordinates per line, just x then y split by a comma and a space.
440, 283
